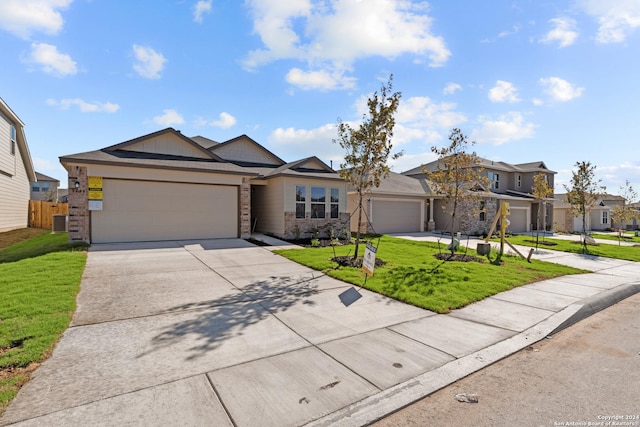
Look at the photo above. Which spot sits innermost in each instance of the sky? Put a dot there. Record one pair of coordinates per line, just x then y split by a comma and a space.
526, 80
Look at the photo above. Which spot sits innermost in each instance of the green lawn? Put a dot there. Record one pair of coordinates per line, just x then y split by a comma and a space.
39, 281
413, 275
627, 236
629, 253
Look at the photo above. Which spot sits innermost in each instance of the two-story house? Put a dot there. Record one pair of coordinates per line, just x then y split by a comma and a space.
511, 183
16, 171
45, 188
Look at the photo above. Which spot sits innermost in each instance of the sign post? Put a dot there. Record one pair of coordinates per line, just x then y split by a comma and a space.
369, 260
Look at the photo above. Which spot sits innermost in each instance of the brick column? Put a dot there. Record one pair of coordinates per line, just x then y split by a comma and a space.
245, 209
78, 204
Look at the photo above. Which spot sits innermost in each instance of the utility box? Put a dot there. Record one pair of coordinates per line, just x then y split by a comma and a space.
483, 248
59, 223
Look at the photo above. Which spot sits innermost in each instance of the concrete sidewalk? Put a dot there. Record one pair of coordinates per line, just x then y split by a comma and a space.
222, 332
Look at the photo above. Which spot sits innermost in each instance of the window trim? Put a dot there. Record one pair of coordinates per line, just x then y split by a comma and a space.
321, 202
605, 217
335, 204
301, 200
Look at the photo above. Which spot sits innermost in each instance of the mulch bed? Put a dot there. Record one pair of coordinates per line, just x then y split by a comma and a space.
457, 257
543, 242
348, 261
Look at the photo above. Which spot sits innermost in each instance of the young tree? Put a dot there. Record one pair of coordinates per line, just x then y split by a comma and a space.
369, 146
541, 190
457, 178
624, 213
582, 194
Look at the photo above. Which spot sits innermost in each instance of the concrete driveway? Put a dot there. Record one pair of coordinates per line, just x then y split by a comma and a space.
222, 332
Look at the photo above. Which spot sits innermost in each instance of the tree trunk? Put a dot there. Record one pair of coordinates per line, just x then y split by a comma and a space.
360, 197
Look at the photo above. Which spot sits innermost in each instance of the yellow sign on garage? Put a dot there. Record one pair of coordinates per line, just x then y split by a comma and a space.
95, 193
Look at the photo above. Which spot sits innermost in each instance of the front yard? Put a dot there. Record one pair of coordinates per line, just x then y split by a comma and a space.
40, 277
629, 253
412, 273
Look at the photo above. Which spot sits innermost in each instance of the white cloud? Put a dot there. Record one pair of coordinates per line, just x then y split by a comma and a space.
83, 106
24, 17
323, 79
169, 118
421, 112
43, 164
149, 62
293, 144
537, 102
50, 60
201, 7
330, 37
617, 19
224, 121
451, 88
410, 161
503, 92
560, 90
563, 32
514, 30
508, 127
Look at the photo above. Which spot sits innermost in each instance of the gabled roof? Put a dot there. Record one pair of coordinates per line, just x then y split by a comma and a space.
538, 166
243, 149
140, 141
310, 167
401, 185
205, 143
42, 177
21, 139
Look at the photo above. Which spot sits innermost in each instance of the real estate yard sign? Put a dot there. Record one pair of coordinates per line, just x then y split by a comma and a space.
95, 193
369, 260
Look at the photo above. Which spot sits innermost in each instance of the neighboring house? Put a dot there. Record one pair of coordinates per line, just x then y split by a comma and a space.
512, 183
598, 218
399, 205
44, 188
166, 186
16, 171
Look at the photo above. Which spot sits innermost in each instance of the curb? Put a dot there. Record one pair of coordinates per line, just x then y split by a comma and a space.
599, 302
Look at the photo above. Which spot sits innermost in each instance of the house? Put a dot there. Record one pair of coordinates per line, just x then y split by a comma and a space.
399, 205
16, 171
598, 217
44, 188
511, 183
166, 186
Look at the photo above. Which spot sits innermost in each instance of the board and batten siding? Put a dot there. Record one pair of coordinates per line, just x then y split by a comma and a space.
166, 144
14, 182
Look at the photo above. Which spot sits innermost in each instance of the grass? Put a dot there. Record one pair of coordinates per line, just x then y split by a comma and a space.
413, 275
626, 237
40, 277
629, 253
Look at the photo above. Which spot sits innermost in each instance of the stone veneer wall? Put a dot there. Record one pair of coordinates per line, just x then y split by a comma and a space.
79, 225
306, 226
245, 209
471, 220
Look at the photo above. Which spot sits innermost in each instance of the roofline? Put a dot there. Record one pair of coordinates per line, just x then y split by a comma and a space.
21, 138
244, 135
161, 132
66, 159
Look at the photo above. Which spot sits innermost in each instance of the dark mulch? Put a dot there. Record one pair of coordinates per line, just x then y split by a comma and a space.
543, 242
457, 257
348, 261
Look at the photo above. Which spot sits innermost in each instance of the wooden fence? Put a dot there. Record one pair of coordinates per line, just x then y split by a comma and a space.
41, 213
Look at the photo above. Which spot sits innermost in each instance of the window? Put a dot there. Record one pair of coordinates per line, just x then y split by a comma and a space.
301, 201
494, 179
44, 187
605, 217
35, 187
335, 199
483, 211
318, 202
13, 140
519, 181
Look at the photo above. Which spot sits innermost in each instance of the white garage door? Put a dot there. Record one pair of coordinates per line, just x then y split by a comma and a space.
518, 221
139, 211
396, 216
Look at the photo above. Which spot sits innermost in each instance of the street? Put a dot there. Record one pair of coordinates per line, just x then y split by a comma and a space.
587, 375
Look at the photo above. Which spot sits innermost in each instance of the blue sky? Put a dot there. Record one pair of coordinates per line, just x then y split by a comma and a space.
530, 80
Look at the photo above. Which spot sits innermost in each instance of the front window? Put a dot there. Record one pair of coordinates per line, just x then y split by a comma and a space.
318, 202
13, 140
301, 201
335, 199
605, 217
35, 187
44, 187
494, 179
483, 211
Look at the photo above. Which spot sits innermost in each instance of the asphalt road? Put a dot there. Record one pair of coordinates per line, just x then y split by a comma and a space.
586, 375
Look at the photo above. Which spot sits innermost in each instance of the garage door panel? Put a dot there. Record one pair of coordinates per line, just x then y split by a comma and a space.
396, 216
517, 221
153, 211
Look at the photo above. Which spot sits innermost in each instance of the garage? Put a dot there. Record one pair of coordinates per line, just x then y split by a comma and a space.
396, 216
518, 220
138, 211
